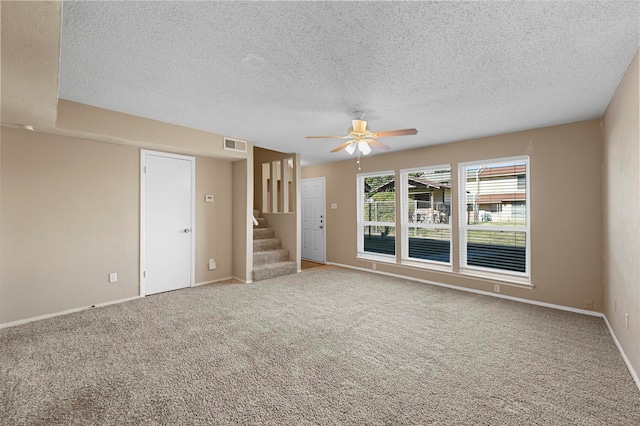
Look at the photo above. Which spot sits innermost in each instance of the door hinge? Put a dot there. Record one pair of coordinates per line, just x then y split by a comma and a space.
145, 169
144, 274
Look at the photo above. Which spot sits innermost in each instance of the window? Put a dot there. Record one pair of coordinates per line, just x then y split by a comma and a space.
377, 215
494, 217
426, 214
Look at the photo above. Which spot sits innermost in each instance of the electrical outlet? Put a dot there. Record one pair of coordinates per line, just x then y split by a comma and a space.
374, 266
588, 304
626, 320
113, 277
496, 288
212, 264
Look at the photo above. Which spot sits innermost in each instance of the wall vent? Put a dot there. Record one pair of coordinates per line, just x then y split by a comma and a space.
235, 145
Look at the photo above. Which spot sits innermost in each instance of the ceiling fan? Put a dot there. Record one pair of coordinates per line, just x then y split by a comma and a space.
363, 139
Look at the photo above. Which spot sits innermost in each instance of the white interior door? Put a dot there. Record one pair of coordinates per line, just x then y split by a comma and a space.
167, 221
313, 220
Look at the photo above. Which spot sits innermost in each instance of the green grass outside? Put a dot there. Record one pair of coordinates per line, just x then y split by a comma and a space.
477, 236
497, 238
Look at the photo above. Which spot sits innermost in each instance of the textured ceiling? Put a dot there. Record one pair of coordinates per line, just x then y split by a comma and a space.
274, 72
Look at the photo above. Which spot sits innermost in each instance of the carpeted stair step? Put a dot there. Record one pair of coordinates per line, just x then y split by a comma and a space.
273, 270
262, 233
270, 256
262, 221
267, 244
270, 260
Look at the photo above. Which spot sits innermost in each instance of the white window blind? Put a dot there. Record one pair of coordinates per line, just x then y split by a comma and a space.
494, 216
377, 214
426, 215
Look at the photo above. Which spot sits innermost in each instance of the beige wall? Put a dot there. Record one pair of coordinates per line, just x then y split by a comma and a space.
30, 57
566, 217
242, 246
213, 233
117, 127
622, 213
70, 216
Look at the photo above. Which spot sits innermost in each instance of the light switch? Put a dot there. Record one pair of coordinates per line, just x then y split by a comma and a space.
208, 198
334, 206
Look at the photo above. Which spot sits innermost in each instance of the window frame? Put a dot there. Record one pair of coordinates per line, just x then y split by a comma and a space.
405, 225
463, 228
361, 223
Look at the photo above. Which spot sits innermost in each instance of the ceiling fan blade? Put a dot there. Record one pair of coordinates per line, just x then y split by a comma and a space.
326, 137
379, 145
342, 146
403, 132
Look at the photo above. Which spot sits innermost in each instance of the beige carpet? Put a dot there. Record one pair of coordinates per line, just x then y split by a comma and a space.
325, 346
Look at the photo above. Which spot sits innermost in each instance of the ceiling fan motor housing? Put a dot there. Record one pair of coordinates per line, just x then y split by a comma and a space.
359, 126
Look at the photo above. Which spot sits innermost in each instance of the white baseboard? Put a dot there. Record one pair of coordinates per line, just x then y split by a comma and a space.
214, 281
632, 371
472, 290
69, 311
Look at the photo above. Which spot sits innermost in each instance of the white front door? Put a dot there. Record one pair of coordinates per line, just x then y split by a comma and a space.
167, 222
313, 219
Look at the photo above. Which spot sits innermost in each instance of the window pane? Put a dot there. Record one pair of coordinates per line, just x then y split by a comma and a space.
494, 197
379, 199
504, 250
497, 194
426, 203
377, 219
379, 211
428, 196
430, 244
380, 239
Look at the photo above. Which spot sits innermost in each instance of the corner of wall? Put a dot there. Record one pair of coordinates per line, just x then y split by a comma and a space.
621, 225
242, 222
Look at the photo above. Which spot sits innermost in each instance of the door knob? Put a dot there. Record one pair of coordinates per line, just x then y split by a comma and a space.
187, 230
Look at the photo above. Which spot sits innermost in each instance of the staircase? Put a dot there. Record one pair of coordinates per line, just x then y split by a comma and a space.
270, 260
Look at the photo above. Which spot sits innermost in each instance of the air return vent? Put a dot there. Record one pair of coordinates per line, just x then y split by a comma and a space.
235, 145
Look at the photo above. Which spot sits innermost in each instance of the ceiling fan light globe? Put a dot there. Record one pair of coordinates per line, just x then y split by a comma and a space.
350, 148
364, 147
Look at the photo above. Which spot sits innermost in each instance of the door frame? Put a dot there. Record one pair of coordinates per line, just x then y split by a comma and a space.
192, 160
324, 214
